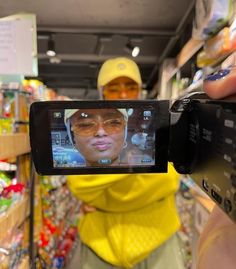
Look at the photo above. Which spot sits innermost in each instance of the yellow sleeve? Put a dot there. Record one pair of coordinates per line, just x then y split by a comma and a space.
122, 193
89, 187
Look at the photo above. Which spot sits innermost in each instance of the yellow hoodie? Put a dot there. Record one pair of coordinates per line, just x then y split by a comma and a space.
135, 214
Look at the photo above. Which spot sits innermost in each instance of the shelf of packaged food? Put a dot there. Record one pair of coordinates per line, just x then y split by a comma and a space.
186, 53
24, 263
12, 145
14, 216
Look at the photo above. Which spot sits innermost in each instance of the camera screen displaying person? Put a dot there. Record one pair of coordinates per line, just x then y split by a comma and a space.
102, 137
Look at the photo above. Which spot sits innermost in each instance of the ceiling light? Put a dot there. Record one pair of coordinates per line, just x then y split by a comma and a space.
51, 48
133, 50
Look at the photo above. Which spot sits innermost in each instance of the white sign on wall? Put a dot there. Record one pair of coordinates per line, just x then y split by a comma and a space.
18, 49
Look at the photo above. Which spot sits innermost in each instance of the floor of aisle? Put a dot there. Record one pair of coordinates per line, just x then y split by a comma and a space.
74, 260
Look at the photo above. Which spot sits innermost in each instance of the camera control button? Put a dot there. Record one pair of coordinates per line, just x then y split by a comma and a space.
180, 105
227, 205
104, 161
233, 180
235, 197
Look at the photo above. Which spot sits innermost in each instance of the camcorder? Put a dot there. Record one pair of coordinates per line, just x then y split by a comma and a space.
195, 133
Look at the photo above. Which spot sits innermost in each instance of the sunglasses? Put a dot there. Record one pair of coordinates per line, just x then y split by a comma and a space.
89, 127
130, 91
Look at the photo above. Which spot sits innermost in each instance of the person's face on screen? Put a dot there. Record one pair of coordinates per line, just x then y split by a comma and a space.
121, 88
99, 135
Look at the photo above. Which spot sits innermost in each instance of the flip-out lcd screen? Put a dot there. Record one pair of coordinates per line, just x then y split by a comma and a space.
89, 137
102, 137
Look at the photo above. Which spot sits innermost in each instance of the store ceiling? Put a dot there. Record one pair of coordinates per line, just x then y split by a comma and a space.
88, 32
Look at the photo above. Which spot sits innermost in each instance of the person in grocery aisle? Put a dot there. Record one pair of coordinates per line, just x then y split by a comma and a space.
130, 221
217, 248
98, 134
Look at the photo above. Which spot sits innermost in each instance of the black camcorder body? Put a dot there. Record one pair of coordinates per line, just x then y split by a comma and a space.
195, 133
202, 143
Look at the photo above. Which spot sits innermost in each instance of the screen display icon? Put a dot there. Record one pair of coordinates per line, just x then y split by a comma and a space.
57, 115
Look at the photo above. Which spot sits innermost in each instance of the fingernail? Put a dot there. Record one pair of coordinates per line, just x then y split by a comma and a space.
219, 75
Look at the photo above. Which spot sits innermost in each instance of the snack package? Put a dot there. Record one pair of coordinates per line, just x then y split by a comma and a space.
210, 17
204, 60
232, 31
6, 126
218, 45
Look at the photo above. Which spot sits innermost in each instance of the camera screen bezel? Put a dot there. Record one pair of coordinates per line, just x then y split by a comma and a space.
40, 136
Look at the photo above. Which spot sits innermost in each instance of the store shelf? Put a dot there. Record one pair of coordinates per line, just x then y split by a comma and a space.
187, 52
12, 145
197, 86
14, 217
207, 203
24, 263
202, 208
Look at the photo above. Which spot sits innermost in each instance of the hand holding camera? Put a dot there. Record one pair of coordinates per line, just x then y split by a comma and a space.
216, 247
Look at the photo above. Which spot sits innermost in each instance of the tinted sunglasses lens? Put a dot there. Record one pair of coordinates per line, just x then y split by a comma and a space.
87, 128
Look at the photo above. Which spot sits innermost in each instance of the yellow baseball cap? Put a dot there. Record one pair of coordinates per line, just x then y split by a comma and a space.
118, 67
70, 112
